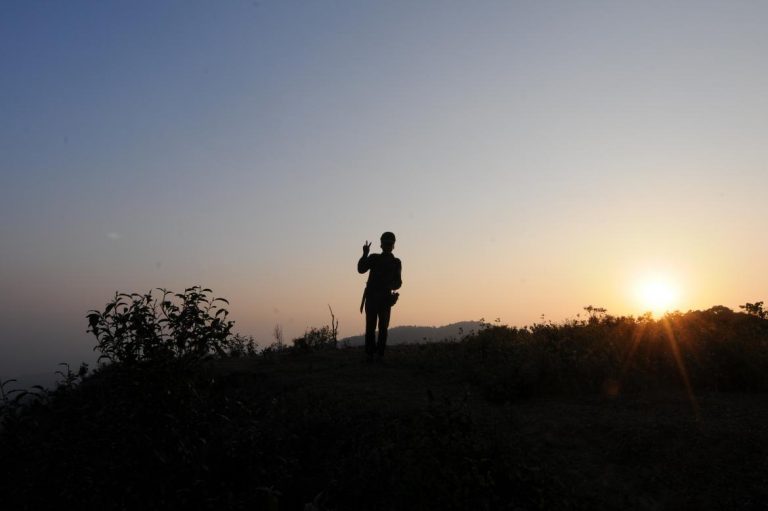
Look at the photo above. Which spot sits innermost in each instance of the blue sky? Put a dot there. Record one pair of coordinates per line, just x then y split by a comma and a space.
532, 157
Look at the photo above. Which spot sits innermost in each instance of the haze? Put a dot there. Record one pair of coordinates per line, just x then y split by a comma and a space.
531, 157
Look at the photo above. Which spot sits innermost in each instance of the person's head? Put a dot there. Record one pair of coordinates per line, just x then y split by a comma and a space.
387, 242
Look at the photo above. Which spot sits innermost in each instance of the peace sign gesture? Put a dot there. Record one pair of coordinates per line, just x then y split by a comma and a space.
366, 247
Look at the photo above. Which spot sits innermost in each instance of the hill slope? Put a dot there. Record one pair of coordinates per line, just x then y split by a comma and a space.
612, 413
326, 428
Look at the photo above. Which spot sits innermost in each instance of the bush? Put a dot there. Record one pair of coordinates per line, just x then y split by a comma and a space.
183, 326
316, 339
242, 346
715, 349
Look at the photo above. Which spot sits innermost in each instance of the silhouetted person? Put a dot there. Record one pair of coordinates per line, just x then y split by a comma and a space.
379, 298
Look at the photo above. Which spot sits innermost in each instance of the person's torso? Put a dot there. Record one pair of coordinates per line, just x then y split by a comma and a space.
384, 268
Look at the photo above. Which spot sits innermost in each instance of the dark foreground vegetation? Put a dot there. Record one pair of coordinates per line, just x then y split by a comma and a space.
600, 413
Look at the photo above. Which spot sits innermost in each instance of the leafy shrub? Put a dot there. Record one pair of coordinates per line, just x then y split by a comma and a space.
70, 379
187, 326
242, 346
755, 309
316, 339
10, 401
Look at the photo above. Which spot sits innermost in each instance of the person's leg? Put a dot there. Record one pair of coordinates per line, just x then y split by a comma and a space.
384, 314
370, 329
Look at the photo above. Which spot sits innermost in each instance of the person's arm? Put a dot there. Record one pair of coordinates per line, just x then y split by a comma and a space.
398, 279
364, 264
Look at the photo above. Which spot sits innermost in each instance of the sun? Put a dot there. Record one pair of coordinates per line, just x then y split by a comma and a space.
657, 294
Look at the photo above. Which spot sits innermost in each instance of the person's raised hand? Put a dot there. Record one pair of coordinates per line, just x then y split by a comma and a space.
366, 247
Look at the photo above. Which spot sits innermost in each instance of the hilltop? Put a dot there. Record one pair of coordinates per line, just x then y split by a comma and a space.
607, 413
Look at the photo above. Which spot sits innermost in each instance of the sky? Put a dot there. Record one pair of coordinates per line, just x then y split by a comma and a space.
532, 157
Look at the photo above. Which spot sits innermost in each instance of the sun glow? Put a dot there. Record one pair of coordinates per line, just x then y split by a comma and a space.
657, 294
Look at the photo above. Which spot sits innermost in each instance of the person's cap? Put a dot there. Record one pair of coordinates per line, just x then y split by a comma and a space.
388, 237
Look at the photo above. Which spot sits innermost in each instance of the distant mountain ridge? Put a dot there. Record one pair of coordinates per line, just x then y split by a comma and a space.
420, 334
